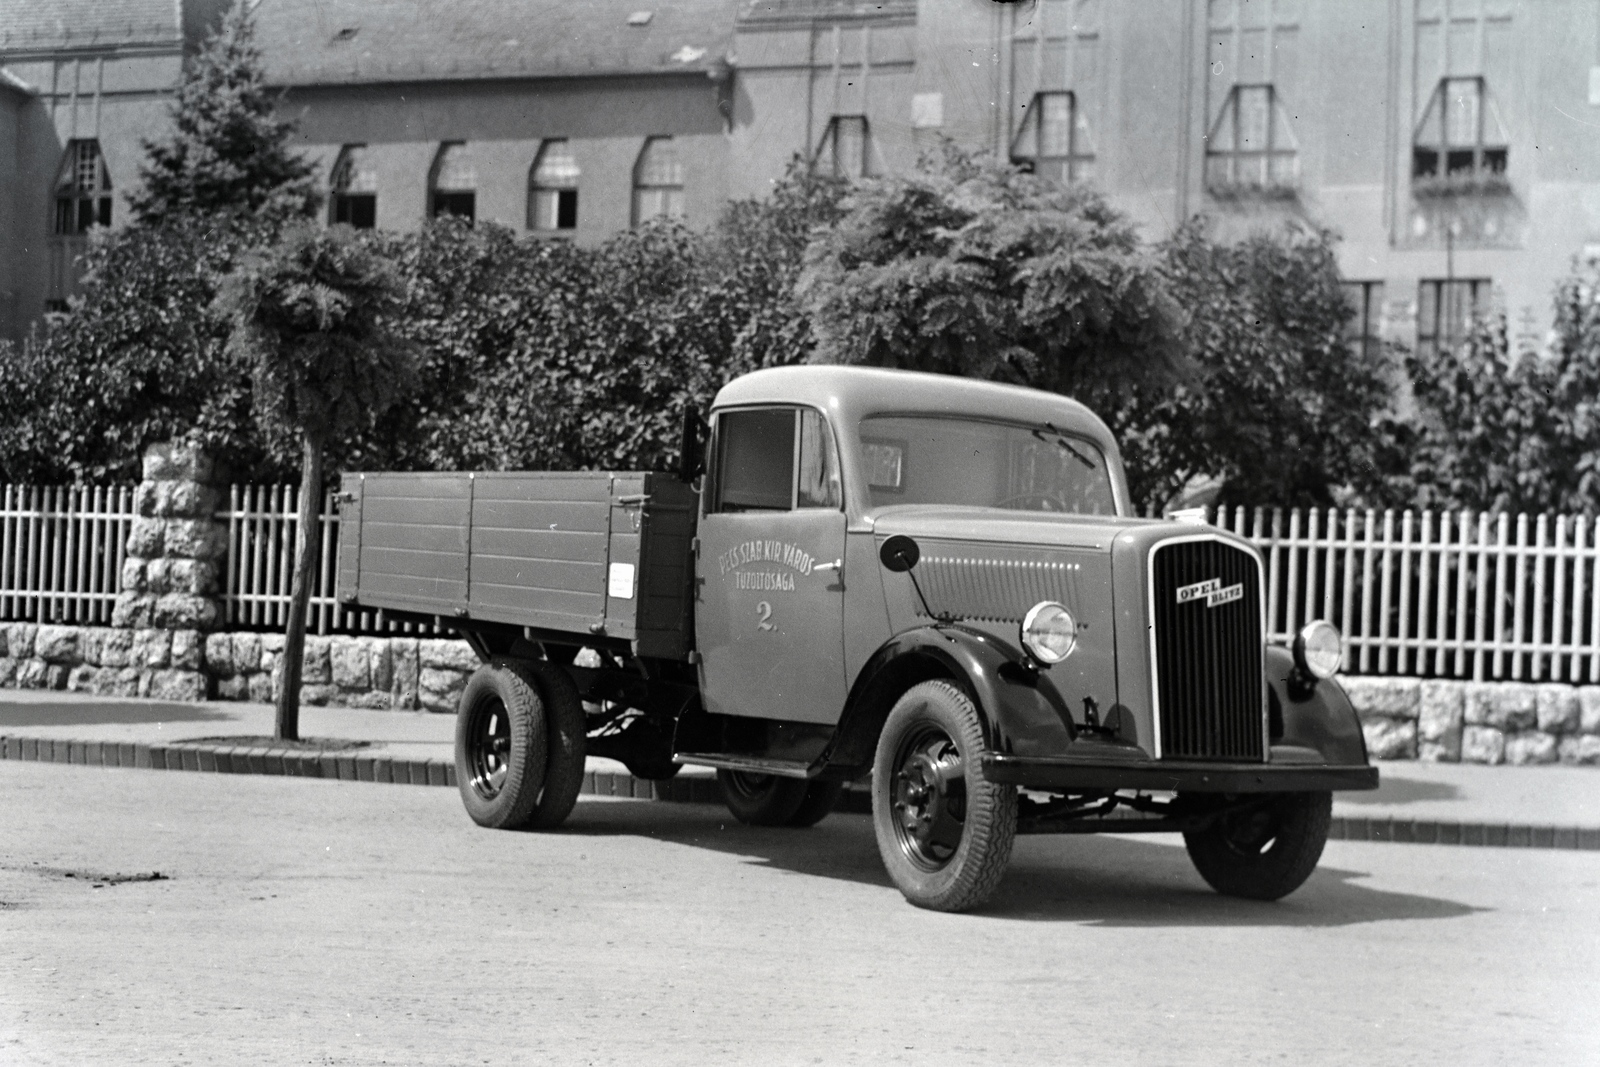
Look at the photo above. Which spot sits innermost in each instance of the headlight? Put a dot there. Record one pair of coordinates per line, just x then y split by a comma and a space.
1049, 632
1319, 649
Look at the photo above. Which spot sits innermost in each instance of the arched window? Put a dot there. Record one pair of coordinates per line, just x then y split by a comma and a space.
83, 189
658, 182
355, 189
454, 188
553, 188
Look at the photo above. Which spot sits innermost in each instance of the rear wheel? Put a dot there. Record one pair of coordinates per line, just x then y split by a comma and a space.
501, 747
820, 800
566, 737
1264, 850
761, 799
943, 830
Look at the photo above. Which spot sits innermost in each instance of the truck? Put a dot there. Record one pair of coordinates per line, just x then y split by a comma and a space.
933, 585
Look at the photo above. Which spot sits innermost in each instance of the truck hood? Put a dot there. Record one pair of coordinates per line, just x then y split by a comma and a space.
945, 522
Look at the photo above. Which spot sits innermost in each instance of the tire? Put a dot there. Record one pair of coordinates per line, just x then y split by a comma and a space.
566, 734
818, 803
761, 799
653, 770
1263, 852
944, 831
501, 747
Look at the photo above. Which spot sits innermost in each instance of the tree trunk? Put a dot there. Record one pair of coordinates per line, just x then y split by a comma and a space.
305, 561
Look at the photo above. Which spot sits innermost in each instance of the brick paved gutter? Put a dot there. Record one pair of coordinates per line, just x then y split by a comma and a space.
356, 765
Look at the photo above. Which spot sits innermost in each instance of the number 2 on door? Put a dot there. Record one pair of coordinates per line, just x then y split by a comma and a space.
764, 610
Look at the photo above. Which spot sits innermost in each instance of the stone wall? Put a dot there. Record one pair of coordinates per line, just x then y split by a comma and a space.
1478, 722
403, 673
1403, 718
172, 571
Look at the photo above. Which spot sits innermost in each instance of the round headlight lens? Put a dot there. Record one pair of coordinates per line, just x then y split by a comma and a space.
1049, 632
1319, 649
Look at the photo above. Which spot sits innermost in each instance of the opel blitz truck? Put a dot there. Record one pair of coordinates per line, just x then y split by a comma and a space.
934, 583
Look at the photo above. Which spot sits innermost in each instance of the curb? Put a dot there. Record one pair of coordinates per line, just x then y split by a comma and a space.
355, 766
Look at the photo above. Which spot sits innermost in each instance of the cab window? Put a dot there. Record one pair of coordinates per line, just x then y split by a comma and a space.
776, 459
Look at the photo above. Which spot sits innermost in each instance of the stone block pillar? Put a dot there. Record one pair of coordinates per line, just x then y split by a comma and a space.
171, 577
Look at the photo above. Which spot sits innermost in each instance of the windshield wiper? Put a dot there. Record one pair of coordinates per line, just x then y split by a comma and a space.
1061, 440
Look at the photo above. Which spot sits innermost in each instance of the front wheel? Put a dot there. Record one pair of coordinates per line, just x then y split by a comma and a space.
944, 831
1264, 850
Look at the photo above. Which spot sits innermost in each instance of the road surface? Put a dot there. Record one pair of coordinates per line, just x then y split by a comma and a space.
301, 921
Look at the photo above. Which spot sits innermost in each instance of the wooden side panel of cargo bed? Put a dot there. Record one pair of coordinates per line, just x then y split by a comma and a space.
539, 548
413, 542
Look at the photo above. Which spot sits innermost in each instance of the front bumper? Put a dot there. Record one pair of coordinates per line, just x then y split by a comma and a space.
1056, 774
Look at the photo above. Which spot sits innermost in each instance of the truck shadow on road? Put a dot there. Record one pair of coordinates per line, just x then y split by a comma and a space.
1101, 880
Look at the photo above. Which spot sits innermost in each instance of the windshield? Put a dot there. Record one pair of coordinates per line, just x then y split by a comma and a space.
941, 459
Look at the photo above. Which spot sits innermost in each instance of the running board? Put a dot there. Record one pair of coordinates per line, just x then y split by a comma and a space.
780, 768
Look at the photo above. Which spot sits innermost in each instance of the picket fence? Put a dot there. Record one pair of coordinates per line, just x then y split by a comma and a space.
1433, 594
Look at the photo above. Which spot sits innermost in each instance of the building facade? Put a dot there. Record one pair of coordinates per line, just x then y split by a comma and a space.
1449, 142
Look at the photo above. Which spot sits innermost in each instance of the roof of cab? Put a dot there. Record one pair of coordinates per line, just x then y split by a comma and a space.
856, 392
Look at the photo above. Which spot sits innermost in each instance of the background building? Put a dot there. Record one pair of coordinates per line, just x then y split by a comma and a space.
1451, 142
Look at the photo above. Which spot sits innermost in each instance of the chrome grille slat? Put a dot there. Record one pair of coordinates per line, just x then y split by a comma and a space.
1208, 659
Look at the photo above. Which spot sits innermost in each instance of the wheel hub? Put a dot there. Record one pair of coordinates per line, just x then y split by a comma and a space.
490, 748
929, 793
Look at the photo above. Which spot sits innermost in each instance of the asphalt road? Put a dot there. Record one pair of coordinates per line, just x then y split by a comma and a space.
338, 923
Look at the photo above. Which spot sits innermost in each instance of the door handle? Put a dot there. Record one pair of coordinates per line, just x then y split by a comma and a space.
836, 565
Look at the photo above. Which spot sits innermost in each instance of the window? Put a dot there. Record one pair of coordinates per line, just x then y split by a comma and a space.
934, 459
776, 459
658, 182
83, 189
843, 151
455, 183
553, 188
355, 189
1053, 140
1366, 306
1250, 148
1446, 310
1460, 144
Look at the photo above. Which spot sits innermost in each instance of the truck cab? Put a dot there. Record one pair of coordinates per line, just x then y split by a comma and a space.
936, 586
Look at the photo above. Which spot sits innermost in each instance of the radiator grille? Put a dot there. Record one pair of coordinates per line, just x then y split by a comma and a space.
1208, 648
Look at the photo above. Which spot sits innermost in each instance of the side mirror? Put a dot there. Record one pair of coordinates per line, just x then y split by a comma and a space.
899, 554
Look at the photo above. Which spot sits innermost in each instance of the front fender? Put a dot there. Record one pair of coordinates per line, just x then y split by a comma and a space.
1319, 718
1020, 709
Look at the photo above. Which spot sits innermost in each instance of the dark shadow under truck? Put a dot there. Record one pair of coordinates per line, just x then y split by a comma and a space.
932, 581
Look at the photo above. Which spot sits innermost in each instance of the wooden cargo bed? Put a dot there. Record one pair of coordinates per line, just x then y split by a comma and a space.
585, 553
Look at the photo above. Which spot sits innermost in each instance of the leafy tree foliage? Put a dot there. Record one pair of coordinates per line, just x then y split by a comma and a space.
1281, 406
229, 150
309, 319
1505, 431
138, 359
967, 266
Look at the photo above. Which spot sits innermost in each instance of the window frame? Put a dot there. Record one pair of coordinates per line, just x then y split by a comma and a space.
1233, 183
1077, 164
1478, 293
828, 144
640, 187
714, 487
562, 201
1484, 174
1366, 325
77, 208
448, 201
341, 200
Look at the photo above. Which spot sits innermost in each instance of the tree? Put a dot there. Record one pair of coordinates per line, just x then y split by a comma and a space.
229, 150
1281, 407
1511, 431
310, 316
969, 266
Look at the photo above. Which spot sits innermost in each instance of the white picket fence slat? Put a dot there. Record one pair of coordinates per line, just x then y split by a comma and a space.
61, 551
1444, 594
1452, 594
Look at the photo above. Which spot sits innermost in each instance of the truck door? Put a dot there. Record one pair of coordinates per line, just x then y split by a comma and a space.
769, 612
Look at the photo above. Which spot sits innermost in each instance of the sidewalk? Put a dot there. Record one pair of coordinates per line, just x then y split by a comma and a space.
1530, 806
